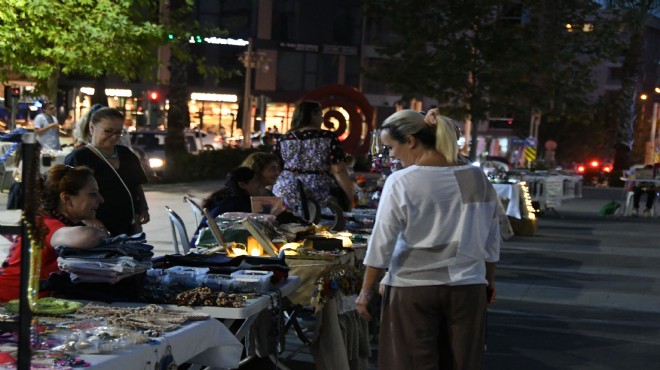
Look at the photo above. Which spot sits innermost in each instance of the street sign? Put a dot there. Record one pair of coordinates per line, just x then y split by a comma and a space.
530, 153
530, 141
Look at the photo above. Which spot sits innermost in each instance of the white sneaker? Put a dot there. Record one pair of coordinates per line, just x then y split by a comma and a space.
635, 212
647, 213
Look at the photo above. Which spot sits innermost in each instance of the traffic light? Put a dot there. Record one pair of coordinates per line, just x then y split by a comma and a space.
154, 108
11, 93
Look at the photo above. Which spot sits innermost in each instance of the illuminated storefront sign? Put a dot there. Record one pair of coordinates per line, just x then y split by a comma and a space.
122, 93
218, 41
227, 98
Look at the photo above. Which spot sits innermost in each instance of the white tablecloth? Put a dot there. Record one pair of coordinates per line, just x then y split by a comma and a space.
509, 194
206, 342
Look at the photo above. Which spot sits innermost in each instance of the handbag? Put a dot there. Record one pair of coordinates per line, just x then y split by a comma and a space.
136, 228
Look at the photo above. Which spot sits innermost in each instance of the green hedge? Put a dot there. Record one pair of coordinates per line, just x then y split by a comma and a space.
208, 165
215, 164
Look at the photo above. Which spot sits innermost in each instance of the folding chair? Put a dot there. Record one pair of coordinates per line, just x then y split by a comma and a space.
178, 227
195, 207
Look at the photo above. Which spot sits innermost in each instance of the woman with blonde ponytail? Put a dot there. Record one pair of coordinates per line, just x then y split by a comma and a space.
437, 235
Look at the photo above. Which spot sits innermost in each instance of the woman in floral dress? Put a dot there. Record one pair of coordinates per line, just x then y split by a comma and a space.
313, 156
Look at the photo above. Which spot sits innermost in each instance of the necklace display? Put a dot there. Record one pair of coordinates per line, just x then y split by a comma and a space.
105, 155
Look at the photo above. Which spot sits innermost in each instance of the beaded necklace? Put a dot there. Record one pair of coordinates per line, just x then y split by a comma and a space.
105, 155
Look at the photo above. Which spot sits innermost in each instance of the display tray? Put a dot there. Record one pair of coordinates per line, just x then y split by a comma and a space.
252, 306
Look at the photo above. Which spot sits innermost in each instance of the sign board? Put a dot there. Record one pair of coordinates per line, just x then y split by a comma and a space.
530, 141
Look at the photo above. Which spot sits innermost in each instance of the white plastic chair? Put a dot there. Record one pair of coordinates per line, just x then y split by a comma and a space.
178, 228
7, 172
195, 207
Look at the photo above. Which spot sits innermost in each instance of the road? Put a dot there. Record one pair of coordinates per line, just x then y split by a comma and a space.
583, 293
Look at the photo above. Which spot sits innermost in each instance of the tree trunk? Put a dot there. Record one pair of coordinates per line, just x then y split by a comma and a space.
626, 103
51, 86
178, 117
99, 96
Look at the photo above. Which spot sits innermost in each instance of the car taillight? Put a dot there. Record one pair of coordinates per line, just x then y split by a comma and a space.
594, 164
580, 169
607, 169
217, 139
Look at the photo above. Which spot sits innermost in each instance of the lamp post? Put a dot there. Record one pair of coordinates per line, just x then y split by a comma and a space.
654, 121
250, 60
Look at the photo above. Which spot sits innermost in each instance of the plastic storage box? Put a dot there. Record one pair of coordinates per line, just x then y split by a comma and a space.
219, 282
187, 276
251, 280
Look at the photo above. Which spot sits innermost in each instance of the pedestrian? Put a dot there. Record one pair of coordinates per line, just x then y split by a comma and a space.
82, 135
314, 157
47, 128
118, 172
437, 235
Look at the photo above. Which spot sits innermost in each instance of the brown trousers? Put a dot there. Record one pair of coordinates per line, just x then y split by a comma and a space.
433, 327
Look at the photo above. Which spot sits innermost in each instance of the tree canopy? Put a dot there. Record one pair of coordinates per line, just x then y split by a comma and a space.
39, 39
492, 58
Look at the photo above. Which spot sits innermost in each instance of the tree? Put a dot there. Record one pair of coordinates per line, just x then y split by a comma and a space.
42, 39
181, 27
488, 57
635, 15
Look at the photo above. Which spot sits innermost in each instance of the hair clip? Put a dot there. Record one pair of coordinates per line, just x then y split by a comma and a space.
430, 119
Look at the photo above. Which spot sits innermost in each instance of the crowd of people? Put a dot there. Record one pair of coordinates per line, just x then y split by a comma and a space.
431, 255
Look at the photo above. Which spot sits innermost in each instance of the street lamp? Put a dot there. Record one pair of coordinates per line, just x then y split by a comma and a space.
250, 60
654, 122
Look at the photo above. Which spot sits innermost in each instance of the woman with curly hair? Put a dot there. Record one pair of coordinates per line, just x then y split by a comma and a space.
69, 196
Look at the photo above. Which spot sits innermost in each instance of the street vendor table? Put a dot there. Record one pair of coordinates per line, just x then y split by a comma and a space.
550, 189
509, 195
309, 268
341, 338
206, 343
519, 219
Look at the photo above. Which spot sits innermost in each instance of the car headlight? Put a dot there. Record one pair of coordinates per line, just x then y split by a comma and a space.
156, 162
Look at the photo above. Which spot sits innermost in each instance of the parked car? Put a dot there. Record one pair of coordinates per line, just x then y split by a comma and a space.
257, 140
206, 140
150, 146
594, 172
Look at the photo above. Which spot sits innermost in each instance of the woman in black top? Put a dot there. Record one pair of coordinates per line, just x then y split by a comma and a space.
241, 183
117, 171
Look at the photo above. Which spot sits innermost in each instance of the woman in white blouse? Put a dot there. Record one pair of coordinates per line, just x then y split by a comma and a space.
437, 236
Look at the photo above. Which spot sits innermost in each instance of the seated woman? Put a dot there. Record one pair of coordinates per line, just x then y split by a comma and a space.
267, 168
641, 188
241, 183
68, 196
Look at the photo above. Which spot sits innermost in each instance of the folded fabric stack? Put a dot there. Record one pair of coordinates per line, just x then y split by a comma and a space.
111, 261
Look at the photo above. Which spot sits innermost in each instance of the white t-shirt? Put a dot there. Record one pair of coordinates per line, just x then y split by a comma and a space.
50, 138
435, 226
